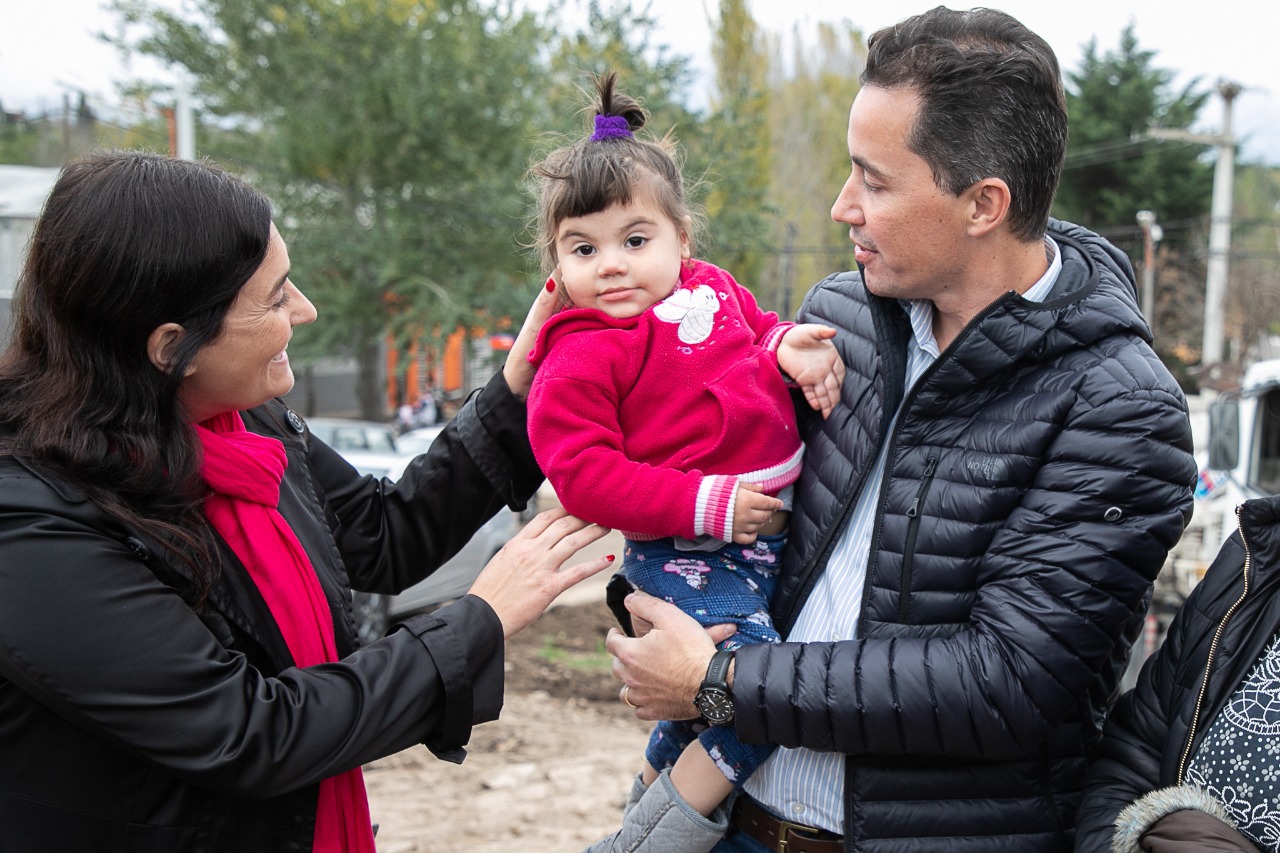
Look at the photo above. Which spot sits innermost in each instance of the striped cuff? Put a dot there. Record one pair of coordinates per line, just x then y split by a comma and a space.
773, 338
713, 513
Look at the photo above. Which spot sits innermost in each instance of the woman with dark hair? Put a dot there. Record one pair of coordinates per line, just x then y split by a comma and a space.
178, 664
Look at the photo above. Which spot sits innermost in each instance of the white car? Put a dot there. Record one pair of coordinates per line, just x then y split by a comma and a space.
416, 441
346, 434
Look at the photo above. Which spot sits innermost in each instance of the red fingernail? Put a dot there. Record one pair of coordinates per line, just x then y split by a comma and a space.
610, 558
551, 285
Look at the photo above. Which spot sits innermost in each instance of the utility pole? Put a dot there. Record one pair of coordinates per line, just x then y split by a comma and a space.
1151, 234
185, 131
180, 122
1215, 286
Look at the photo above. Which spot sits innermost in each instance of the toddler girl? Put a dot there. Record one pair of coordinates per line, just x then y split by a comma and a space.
659, 409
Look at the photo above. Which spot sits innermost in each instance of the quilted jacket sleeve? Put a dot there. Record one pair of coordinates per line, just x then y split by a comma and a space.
1132, 748
1063, 575
1148, 725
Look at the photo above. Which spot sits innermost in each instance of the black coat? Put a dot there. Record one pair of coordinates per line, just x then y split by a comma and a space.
130, 722
1154, 729
1037, 476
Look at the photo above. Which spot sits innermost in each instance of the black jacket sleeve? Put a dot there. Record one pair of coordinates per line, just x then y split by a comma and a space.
392, 535
1054, 591
88, 633
1147, 729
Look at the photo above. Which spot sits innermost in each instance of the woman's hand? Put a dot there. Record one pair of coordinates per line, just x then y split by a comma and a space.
527, 574
517, 370
662, 669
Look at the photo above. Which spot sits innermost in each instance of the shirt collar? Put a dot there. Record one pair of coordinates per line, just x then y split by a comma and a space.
920, 311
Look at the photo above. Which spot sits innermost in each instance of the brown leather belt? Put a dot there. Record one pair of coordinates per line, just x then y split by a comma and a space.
781, 836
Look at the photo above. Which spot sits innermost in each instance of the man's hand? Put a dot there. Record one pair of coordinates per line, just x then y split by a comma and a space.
807, 355
752, 510
663, 669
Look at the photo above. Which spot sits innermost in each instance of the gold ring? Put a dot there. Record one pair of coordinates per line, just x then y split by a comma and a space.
626, 694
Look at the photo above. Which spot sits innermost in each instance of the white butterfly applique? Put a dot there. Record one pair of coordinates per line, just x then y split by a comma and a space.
695, 311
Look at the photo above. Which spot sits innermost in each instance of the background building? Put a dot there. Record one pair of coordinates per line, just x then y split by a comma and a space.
22, 193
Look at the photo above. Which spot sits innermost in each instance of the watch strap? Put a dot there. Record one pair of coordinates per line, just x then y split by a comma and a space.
718, 669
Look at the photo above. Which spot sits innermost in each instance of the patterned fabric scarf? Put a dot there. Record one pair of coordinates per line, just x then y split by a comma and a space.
244, 470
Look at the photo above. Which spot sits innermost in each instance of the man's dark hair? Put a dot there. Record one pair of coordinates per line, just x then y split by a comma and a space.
991, 104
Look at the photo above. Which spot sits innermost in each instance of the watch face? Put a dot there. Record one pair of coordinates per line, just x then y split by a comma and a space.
715, 705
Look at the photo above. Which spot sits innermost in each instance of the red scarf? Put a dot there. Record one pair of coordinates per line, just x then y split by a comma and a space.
244, 470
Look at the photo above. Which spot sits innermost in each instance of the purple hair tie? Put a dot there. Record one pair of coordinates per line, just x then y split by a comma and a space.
611, 127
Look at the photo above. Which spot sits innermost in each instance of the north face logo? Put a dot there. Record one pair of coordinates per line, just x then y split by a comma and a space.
988, 468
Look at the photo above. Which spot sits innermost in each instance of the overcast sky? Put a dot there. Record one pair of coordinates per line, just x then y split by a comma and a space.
47, 46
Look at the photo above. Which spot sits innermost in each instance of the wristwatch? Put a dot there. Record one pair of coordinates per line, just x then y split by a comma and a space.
714, 701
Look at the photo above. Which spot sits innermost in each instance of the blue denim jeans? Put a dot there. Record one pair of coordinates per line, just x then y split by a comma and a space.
730, 584
739, 842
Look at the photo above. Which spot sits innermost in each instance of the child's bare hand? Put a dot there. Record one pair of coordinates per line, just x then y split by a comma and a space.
807, 355
752, 510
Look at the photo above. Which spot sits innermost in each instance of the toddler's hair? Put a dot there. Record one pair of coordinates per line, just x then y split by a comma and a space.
610, 166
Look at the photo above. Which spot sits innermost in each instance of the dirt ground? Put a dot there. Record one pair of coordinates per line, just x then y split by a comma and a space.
549, 776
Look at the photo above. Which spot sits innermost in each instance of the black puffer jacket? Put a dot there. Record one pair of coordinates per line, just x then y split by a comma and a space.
131, 724
1154, 729
1038, 474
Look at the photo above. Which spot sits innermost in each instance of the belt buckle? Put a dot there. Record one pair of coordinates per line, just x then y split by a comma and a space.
786, 827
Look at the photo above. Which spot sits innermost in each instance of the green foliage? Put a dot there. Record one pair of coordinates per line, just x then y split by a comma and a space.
390, 133
740, 169
394, 136
616, 37
1117, 102
812, 88
597, 660
1113, 168
1253, 294
20, 143
52, 139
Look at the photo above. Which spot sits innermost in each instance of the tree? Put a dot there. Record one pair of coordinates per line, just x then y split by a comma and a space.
56, 136
812, 87
1113, 169
738, 176
392, 136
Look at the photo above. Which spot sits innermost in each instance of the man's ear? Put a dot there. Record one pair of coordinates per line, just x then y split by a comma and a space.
989, 205
161, 344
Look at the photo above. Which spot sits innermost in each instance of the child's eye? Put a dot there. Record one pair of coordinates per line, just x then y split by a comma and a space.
635, 241
584, 250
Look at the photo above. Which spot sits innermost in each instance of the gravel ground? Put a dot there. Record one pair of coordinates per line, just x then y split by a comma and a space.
549, 776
